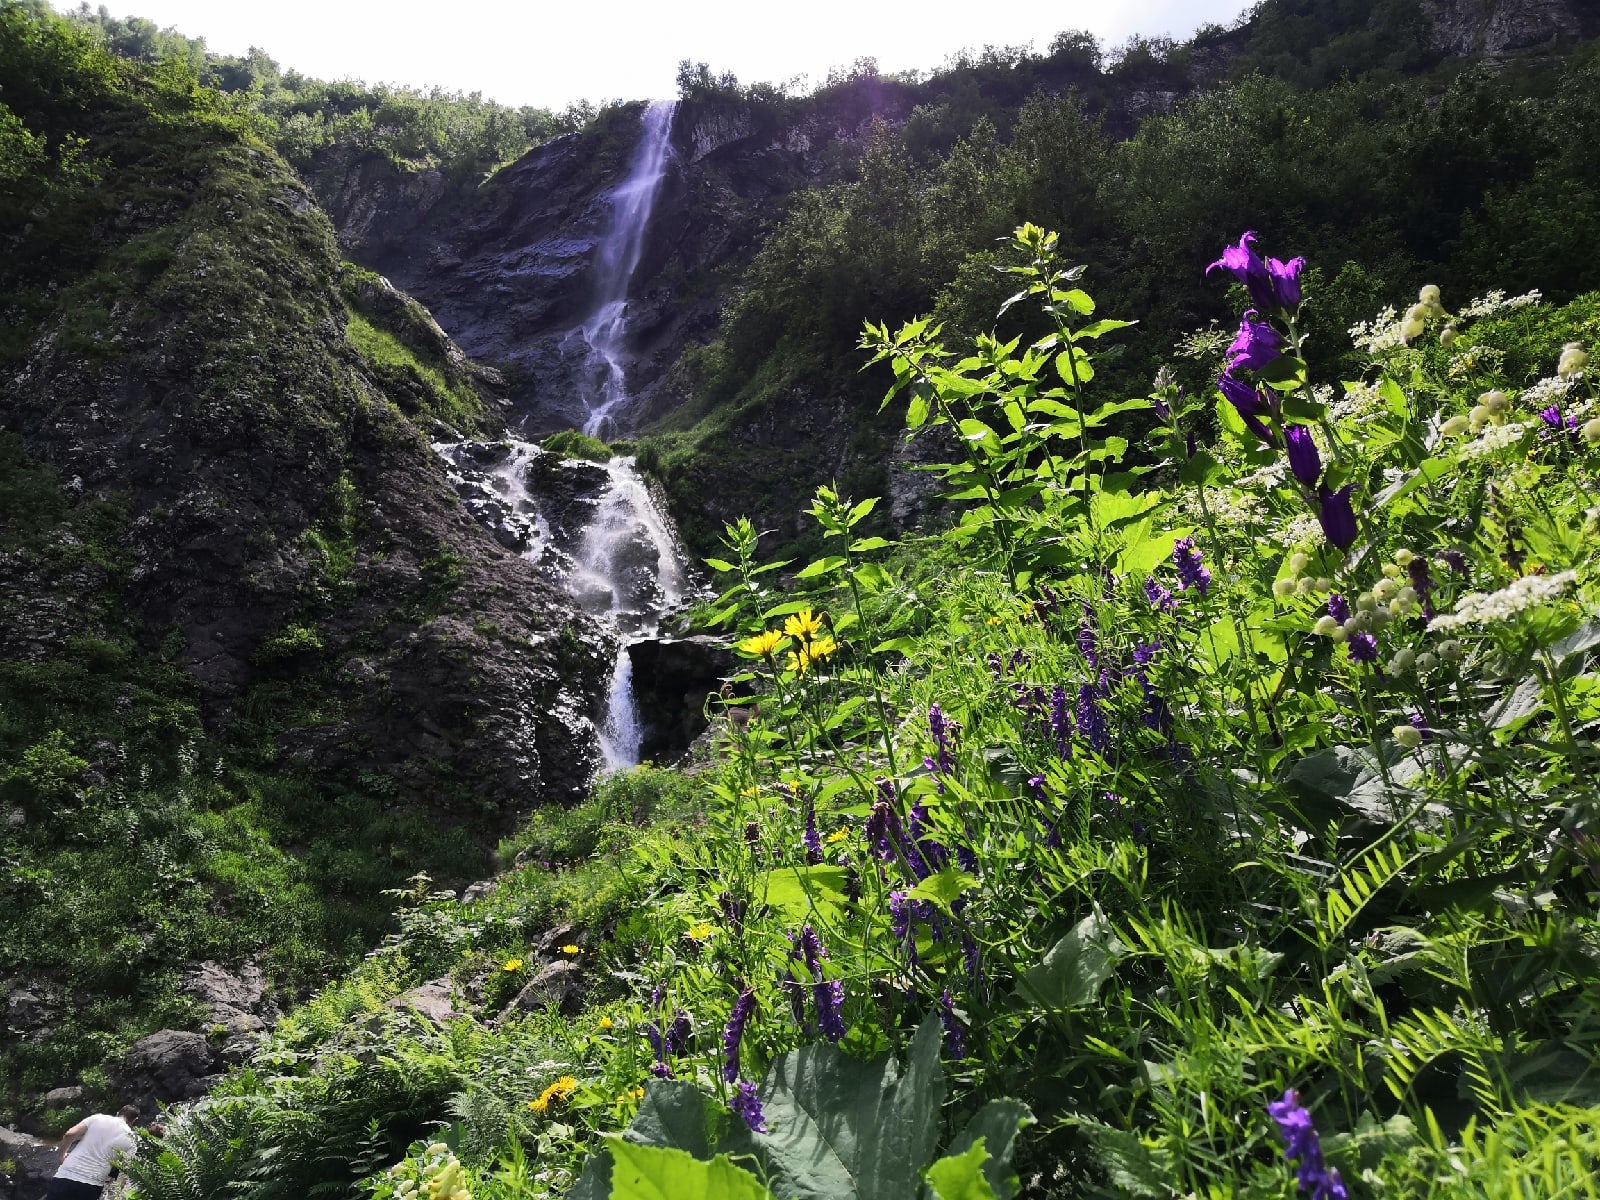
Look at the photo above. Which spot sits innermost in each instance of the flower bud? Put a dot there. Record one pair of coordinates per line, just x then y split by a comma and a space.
1591, 431
1495, 401
1298, 562
1305, 586
1407, 596
1426, 662
1323, 584
1340, 634
1391, 571
1379, 619
1283, 587
1403, 556
1402, 662
1326, 627
1418, 312
1397, 607
1428, 295
1383, 591
1479, 417
1573, 360
1366, 602
1452, 651
1411, 330
1447, 336
1408, 736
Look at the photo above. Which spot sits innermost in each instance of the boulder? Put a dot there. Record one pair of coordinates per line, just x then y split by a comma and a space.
556, 983
168, 1066
235, 999
672, 679
434, 1000
27, 1164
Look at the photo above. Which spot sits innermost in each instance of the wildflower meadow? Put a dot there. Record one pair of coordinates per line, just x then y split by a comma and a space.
1207, 809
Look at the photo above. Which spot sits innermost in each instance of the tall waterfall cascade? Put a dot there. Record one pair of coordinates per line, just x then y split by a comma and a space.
594, 528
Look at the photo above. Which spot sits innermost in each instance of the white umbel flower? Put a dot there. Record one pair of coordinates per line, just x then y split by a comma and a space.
1480, 608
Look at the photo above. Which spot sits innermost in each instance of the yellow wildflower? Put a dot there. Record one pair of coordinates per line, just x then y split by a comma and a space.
511, 964
700, 931
607, 1023
762, 645
803, 625
798, 662
557, 1093
638, 1093
569, 949
822, 647
838, 835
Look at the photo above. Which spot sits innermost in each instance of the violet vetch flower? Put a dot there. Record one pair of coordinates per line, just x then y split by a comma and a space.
1420, 724
794, 991
1337, 518
1338, 608
829, 995
1160, 596
733, 1033
1060, 722
812, 836
954, 1043
661, 1071
748, 1105
1250, 403
1422, 584
1300, 1144
1089, 640
679, 1032
1091, 721
1036, 782
1255, 345
942, 731
883, 832
1363, 648
732, 910
1453, 559
1191, 571
1304, 460
924, 855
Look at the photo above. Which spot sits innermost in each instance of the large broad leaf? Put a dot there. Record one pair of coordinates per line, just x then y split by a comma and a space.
961, 1177
1073, 970
673, 1114
995, 1126
799, 890
848, 1130
662, 1173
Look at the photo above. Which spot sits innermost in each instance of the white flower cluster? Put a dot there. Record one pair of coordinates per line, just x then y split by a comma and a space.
1547, 391
1302, 529
1498, 301
1479, 608
1237, 510
1494, 439
1380, 333
1265, 479
1360, 402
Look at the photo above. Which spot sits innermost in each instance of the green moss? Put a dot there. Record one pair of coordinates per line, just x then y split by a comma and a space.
569, 443
420, 387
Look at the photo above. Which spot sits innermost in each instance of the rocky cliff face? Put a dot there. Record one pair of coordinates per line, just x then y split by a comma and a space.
1501, 29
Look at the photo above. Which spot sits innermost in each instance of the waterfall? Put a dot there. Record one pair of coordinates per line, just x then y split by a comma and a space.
616, 259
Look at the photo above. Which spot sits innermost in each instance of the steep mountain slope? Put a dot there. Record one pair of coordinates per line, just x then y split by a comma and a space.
241, 610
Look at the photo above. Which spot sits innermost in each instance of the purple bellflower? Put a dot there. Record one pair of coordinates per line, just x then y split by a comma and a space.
1338, 608
1304, 460
1336, 516
1271, 283
1251, 404
1255, 345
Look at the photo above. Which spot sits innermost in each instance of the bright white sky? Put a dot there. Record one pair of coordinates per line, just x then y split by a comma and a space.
549, 54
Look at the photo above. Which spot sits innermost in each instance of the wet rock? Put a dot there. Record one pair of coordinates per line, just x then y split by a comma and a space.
27, 1164
64, 1097
557, 983
672, 679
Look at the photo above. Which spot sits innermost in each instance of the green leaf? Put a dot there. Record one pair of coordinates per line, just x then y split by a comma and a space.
943, 888
662, 1173
1077, 299
899, 645
995, 1126
977, 431
961, 1177
821, 566
862, 509
797, 890
862, 545
916, 411
1073, 970
848, 1130
872, 578
1095, 329
673, 1113
720, 564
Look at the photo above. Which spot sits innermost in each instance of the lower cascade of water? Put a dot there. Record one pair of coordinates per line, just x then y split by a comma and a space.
595, 530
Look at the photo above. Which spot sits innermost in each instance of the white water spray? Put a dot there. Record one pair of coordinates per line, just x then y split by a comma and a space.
616, 259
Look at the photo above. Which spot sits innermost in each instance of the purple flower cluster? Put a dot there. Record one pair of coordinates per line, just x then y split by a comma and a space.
828, 994
883, 832
812, 837
748, 1105
1256, 344
1274, 286
1192, 572
733, 1033
1160, 596
1089, 640
1092, 722
1363, 648
954, 1041
1300, 1143
1554, 424
1421, 580
1060, 722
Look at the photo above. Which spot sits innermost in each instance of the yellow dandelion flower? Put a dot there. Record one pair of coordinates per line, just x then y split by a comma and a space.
638, 1093
511, 965
762, 645
540, 1105
749, 791
798, 662
700, 931
607, 1023
838, 835
558, 1092
822, 647
803, 625
569, 949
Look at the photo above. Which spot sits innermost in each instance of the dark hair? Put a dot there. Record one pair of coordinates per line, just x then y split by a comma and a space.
129, 1113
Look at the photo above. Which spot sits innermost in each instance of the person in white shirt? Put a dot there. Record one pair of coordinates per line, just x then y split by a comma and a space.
89, 1154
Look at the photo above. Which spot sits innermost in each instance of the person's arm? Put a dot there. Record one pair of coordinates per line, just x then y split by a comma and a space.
71, 1137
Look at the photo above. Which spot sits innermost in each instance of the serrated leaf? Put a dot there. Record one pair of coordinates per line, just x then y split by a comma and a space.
862, 509
960, 1176
899, 645
796, 891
